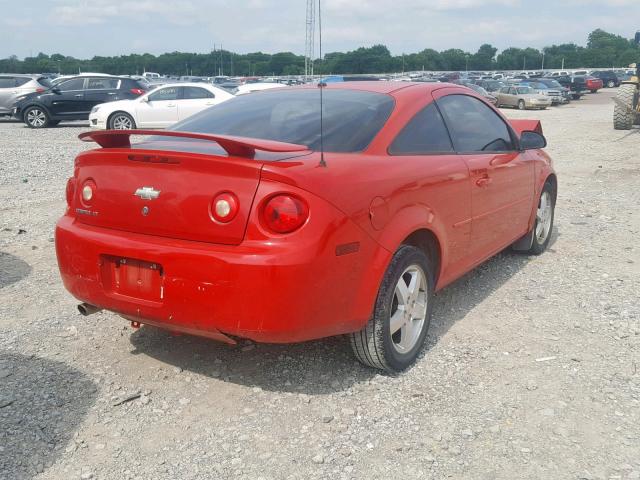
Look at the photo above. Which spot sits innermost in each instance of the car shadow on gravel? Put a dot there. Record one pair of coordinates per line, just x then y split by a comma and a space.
12, 269
454, 302
318, 367
42, 403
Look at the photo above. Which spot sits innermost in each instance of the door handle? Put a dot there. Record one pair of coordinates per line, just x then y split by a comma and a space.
111, 93
171, 105
483, 181
78, 95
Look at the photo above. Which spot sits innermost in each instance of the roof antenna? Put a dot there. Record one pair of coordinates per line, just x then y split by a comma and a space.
321, 86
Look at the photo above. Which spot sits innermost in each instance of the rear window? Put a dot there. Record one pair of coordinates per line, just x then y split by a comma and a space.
22, 81
351, 118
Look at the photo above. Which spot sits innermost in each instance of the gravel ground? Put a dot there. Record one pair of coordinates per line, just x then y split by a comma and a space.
532, 369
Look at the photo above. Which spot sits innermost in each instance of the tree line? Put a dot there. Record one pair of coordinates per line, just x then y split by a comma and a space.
603, 49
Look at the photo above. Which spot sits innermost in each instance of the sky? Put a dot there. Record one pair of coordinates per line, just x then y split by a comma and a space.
84, 28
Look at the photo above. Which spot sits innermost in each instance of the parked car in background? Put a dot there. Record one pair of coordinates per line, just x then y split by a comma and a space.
216, 226
482, 92
522, 97
490, 85
561, 73
554, 94
256, 87
73, 99
593, 84
555, 85
159, 108
608, 77
14, 87
576, 85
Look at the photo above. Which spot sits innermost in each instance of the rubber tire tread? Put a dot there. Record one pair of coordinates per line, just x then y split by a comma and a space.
368, 344
623, 117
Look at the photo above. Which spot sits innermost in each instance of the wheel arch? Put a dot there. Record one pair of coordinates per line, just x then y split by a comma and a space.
427, 241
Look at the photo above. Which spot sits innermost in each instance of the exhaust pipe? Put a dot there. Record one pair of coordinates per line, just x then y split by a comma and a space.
87, 309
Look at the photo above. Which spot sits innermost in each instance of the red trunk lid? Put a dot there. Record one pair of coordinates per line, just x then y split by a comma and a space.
183, 184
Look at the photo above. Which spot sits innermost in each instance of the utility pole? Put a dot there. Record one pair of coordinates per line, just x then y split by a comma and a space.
524, 63
309, 44
562, 68
542, 68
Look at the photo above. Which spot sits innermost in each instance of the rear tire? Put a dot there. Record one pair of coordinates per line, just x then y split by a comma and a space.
611, 84
623, 107
394, 336
36, 117
121, 121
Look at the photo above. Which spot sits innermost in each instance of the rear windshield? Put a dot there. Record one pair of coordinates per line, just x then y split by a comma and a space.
351, 120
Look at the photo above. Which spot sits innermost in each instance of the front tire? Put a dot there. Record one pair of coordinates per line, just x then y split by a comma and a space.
394, 336
543, 226
623, 107
121, 121
521, 105
36, 117
611, 84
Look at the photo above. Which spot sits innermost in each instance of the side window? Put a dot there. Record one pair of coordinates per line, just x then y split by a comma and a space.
191, 93
7, 82
169, 93
22, 80
99, 83
73, 84
474, 126
504, 90
424, 134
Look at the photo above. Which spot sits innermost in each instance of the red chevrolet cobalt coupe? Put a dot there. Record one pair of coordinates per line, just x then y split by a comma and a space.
245, 221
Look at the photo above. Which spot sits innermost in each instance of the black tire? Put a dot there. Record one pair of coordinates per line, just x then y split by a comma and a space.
539, 245
623, 107
36, 117
521, 105
374, 345
594, 91
118, 119
611, 84
575, 96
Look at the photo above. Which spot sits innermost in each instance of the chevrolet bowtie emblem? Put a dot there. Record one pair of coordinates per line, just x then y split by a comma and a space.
147, 193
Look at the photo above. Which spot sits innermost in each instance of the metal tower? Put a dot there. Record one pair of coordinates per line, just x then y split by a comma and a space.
309, 45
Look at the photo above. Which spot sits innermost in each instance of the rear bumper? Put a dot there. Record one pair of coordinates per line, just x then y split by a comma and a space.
278, 293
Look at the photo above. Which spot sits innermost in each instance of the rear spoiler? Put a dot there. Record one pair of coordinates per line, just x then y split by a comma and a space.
235, 146
526, 126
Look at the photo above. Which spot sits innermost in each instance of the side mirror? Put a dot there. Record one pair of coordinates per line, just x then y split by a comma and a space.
56, 90
144, 99
532, 141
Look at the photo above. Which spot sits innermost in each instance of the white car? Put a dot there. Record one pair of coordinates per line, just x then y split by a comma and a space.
256, 87
158, 108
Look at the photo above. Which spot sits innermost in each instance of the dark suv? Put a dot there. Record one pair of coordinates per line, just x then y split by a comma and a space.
73, 99
609, 78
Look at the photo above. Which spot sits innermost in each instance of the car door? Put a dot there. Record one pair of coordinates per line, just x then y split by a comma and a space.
503, 96
99, 90
67, 99
159, 108
502, 177
438, 179
194, 100
7, 92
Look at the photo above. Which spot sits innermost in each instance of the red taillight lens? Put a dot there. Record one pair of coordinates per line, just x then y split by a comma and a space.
285, 213
224, 207
40, 90
137, 91
71, 191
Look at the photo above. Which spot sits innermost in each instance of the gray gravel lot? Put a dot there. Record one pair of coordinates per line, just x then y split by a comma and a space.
532, 369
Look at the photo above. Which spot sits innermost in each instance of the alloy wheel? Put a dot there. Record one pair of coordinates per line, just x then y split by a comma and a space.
543, 217
122, 122
36, 117
408, 309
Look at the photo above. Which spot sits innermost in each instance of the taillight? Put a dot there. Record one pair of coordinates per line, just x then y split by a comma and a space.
40, 90
285, 213
224, 207
71, 191
137, 91
88, 191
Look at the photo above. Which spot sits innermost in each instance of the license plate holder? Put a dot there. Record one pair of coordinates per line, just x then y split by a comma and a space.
130, 277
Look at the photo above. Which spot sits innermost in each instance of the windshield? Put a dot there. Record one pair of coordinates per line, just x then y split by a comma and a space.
351, 118
537, 85
525, 90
